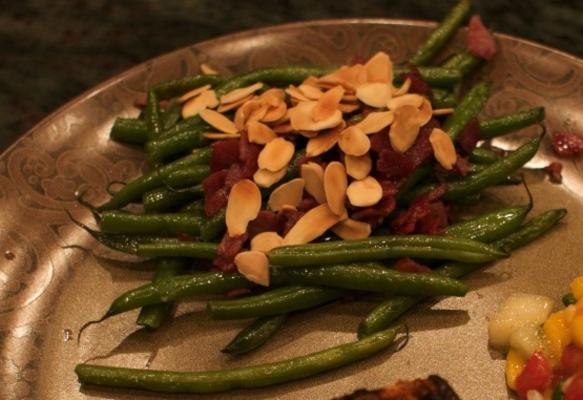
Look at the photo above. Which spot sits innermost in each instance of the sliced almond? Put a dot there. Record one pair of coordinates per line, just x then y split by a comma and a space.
327, 105
273, 97
403, 89
443, 111
244, 112
265, 241
374, 94
425, 112
243, 206
311, 80
219, 121
220, 136
310, 91
274, 114
254, 266
409, 99
194, 106
259, 113
375, 122
260, 133
308, 134
208, 70
283, 128
379, 68
350, 229
265, 179
312, 225
350, 77
354, 142
349, 97
313, 175
324, 141
335, 183
296, 93
348, 108
358, 167
276, 154
193, 93
443, 148
238, 94
365, 192
287, 194
223, 108
301, 118
405, 128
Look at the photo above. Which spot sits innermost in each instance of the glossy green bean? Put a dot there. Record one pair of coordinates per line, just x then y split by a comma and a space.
464, 61
443, 99
255, 334
434, 76
164, 199
494, 127
490, 226
274, 302
413, 179
129, 130
186, 125
182, 142
171, 115
178, 248
187, 177
482, 155
177, 87
196, 207
239, 378
382, 248
213, 227
468, 108
160, 224
152, 115
442, 33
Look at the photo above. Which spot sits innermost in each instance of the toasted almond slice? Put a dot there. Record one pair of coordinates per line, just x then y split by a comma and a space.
425, 112
274, 114
219, 121
348, 108
193, 93
220, 136
208, 70
311, 80
405, 128
353, 141
365, 192
238, 94
206, 99
349, 97
244, 112
273, 97
287, 194
375, 122
374, 94
301, 118
308, 134
313, 175
404, 89
242, 207
312, 225
358, 167
254, 266
350, 77
351, 229
335, 183
265, 241
276, 154
259, 113
310, 91
443, 148
296, 93
260, 133
324, 141
443, 111
379, 68
266, 179
409, 99
223, 108
283, 128
327, 105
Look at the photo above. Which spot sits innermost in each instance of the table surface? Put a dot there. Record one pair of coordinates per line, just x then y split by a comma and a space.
51, 51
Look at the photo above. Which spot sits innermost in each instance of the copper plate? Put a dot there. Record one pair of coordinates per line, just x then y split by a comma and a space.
47, 291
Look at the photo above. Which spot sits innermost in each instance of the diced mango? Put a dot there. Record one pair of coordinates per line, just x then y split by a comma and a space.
558, 334
577, 330
515, 363
577, 287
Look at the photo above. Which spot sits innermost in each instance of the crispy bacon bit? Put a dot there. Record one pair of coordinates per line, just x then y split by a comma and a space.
380, 141
554, 170
424, 215
266, 221
375, 215
307, 203
421, 151
408, 265
239, 292
418, 84
435, 222
462, 166
248, 154
567, 144
481, 43
469, 136
225, 153
394, 165
227, 250
215, 194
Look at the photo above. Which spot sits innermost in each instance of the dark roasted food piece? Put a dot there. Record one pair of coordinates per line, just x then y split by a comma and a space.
433, 387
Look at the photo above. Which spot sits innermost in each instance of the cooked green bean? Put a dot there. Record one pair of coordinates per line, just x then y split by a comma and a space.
464, 61
196, 208
383, 247
129, 130
152, 115
239, 378
186, 125
370, 277
182, 142
255, 334
187, 177
468, 108
443, 99
177, 87
170, 116
274, 302
164, 199
490, 226
434, 76
442, 33
482, 155
389, 310
494, 127
213, 227
161, 224
413, 179
568, 299
178, 248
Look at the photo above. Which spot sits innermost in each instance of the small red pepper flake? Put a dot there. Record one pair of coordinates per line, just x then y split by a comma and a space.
554, 170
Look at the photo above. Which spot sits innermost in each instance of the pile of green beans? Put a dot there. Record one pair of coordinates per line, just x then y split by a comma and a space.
168, 224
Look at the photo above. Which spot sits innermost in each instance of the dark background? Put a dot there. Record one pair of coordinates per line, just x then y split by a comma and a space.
51, 51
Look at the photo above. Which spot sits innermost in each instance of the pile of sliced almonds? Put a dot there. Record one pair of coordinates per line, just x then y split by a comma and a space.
316, 110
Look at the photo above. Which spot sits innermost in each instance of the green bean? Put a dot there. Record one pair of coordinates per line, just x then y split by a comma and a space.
469, 200
182, 142
492, 175
177, 87
185, 125
490, 226
482, 155
187, 177
434, 76
154, 315
448, 100
213, 227
464, 61
239, 378
389, 310
370, 277
134, 190
196, 208
178, 248
152, 115
381, 248
494, 127
466, 110
129, 130
255, 334
568, 299
440, 35
274, 302
162, 224
170, 115
413, 179
477, 168
179, 287
164, 199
